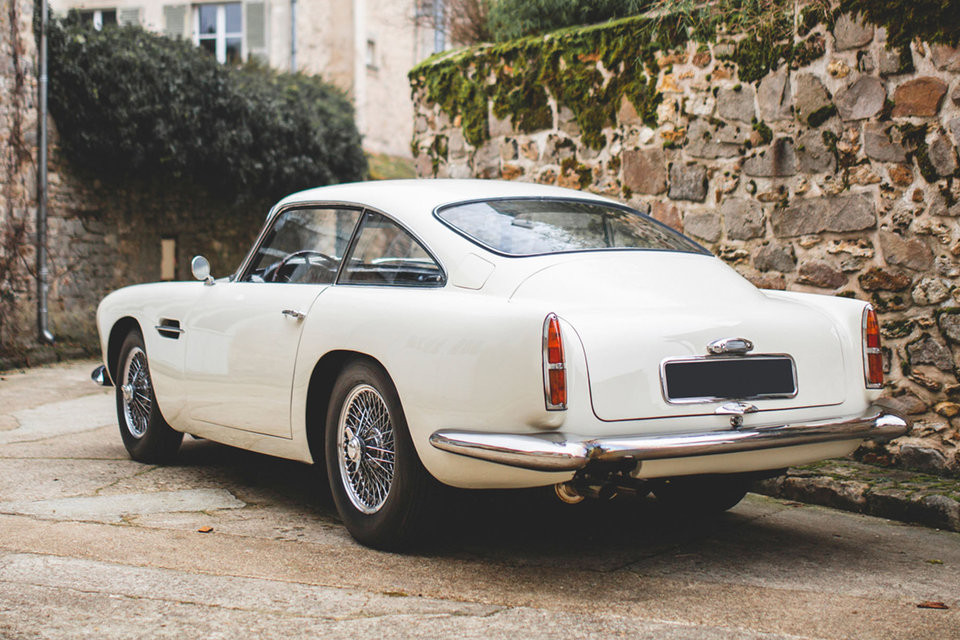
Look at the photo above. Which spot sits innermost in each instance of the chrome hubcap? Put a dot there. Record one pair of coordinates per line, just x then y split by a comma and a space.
354, 448
366, 449
136, 390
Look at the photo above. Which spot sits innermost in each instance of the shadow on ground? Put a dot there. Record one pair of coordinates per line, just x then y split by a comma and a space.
527, 526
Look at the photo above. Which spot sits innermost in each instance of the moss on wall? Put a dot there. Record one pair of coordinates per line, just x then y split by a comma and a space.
934, 21
516, 79
516, 76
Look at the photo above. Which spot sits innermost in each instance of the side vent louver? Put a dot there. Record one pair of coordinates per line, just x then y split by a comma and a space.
169, 328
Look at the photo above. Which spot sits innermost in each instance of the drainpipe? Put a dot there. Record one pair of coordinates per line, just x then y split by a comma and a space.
293, 36
42, 275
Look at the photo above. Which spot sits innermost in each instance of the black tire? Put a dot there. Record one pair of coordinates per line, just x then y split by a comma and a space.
146, 435
380, 488
701, 495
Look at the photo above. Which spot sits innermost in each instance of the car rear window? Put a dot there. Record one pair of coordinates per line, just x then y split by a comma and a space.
527, 227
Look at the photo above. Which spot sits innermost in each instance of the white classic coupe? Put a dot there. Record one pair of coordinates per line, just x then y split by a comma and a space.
486, 334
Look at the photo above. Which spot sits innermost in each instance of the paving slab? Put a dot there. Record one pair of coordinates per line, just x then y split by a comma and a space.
174, 605
58, 418
28, 388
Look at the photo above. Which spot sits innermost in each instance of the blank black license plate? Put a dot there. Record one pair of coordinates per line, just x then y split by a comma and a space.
734, 378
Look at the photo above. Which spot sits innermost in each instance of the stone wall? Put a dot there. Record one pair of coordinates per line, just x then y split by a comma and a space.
102, 237
835, 173
18, 123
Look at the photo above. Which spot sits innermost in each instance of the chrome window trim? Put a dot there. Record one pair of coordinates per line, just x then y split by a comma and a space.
272, 215
276, 210
613, 205
705, 399
352, 245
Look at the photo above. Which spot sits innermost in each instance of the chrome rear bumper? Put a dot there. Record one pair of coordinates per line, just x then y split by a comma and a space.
565, 452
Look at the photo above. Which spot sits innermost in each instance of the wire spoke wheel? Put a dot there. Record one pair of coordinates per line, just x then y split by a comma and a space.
383, 494
137, 393
146, 435
366, 448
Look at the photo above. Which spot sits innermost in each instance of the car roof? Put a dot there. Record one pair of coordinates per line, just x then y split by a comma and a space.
411, 200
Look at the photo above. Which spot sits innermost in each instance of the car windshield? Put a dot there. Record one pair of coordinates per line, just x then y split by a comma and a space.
528, 226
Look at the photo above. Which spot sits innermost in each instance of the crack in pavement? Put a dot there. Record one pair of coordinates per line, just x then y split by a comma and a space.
237, 593
51, 420
112, 508
363, 605
140, 472
261, 610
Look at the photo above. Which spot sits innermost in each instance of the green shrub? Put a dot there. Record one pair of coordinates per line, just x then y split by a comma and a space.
509, 19
134, 105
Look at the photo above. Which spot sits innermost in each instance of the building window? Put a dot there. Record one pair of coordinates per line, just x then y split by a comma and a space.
168, 258
439, 26
371, 54
99, 18
218, 28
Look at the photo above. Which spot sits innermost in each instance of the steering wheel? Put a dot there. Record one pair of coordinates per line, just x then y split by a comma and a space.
274, 270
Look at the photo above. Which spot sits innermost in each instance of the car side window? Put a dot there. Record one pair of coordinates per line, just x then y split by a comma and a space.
386, 254
304, 246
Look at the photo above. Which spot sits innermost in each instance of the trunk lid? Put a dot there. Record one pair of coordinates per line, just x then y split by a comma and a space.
634, 310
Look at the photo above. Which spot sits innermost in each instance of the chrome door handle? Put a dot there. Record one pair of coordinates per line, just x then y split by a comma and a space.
294, 314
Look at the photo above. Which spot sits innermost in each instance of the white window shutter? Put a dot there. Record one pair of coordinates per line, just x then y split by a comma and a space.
175, 21
255, 22
129, 16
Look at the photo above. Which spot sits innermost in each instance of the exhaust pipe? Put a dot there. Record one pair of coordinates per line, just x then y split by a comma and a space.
574, 493
568, 493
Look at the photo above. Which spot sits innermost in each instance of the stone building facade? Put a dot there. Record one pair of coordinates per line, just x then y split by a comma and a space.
365, 47
835, 173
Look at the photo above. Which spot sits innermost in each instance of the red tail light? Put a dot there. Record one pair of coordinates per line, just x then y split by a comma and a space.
554, 365
872, 357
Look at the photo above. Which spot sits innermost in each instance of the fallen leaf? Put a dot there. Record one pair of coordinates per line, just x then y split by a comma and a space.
932, 604
934, 561
204, 529
792, 504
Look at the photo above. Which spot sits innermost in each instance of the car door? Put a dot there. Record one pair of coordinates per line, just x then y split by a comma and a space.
242, 336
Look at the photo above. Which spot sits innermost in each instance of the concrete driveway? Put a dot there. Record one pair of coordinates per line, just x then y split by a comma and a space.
229, 544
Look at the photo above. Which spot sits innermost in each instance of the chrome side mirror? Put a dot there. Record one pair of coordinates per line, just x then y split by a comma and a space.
200, 268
